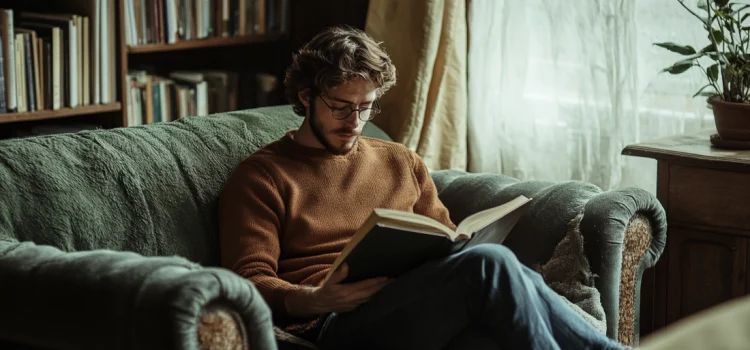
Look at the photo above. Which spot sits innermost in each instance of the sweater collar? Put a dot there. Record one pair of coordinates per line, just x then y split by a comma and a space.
295, 148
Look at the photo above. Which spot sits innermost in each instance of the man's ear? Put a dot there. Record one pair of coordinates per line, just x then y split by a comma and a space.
304, 97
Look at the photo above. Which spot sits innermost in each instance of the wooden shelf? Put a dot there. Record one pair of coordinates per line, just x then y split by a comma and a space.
203, 43
60, 113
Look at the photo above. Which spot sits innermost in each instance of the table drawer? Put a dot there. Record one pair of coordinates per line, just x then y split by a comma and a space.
709, 197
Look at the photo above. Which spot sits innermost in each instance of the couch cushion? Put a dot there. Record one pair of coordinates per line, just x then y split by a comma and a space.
149, 189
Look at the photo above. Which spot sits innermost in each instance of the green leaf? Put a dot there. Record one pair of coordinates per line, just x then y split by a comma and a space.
718, 35
683, 50
729, 26
744, 17
703, 88
713, 72
678, 67
709, 48
693, 57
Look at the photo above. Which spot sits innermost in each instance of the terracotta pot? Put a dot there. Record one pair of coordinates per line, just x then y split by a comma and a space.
732, 119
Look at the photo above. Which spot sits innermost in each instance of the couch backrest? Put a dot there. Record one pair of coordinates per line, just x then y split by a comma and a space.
150, 189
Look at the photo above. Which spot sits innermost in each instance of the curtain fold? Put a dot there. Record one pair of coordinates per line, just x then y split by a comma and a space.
558, 88
427, 108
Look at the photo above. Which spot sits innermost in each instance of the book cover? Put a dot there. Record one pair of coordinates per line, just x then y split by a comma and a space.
391, 242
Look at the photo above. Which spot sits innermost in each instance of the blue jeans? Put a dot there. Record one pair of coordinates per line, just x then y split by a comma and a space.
481, 298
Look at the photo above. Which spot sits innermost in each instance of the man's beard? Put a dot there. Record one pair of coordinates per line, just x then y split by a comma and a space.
317, 130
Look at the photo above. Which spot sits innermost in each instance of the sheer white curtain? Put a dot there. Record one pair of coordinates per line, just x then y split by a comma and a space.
558, 88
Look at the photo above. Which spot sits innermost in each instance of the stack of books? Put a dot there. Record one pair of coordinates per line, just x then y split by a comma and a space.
56, 60
170, 21
157, 98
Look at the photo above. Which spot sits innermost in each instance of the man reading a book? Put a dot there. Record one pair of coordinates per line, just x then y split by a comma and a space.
288, 210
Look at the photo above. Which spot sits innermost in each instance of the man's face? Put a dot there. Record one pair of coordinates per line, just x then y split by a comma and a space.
340, 136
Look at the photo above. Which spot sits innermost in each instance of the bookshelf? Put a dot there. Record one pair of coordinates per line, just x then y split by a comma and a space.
60, 113
159, 59
231, 45
202, 44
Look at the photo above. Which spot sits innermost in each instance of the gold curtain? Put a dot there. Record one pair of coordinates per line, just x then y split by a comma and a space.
426, 109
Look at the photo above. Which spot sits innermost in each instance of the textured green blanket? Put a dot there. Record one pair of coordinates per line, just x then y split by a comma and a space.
151, 190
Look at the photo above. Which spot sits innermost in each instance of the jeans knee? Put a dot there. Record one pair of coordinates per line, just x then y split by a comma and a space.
493, 254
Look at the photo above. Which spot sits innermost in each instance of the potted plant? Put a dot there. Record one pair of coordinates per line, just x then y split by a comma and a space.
728, 86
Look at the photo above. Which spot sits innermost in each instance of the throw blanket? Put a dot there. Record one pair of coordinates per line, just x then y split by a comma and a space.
568, 274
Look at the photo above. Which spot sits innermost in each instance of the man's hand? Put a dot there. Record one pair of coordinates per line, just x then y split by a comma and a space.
334, 296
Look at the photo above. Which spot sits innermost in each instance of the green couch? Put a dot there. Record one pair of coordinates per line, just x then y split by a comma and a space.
108, 238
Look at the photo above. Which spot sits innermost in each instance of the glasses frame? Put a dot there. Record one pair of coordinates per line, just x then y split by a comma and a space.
374, 110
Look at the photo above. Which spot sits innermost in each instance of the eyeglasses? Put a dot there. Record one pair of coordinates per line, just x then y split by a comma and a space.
365, 113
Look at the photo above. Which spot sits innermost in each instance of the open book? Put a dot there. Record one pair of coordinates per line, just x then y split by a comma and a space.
392, 242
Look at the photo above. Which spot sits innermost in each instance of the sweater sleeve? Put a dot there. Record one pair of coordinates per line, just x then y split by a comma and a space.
250, 208
428, 203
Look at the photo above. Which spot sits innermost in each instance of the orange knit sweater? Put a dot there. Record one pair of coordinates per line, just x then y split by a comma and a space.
287, 211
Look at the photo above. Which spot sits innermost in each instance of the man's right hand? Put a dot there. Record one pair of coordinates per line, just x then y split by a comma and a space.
334, 296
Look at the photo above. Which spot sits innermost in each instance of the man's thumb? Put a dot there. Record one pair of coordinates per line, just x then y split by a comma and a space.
339, 274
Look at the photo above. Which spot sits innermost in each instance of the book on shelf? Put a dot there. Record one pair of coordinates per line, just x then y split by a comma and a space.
7, 35
3, 105
61, 57
391, 242
154, 98
171, 21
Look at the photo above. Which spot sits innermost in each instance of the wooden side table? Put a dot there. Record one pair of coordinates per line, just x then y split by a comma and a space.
706, 194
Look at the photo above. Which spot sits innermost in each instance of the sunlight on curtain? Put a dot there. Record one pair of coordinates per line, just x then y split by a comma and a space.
426, 109
558, 88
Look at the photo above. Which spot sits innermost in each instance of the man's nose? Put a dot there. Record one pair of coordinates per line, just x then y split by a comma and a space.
353, 119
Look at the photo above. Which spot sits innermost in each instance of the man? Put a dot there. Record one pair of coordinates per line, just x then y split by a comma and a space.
288, 210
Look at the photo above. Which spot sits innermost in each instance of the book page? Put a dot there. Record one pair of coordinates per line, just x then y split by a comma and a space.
407, 220
477, 221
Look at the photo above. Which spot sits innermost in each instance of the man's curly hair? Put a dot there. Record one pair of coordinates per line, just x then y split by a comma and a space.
334, 56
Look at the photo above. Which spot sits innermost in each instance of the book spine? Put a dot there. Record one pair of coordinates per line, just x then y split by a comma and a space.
172, 95
78, 20
157, 102
20, 74
145, 30
86, 62
3, 104
104, 52
29, 66
72, 75
10, 67
160, 20
36, 42
96, 48
58, 69
48, 76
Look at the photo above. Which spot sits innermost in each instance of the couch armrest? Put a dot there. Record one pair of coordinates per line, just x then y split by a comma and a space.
121, 300
624, 231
